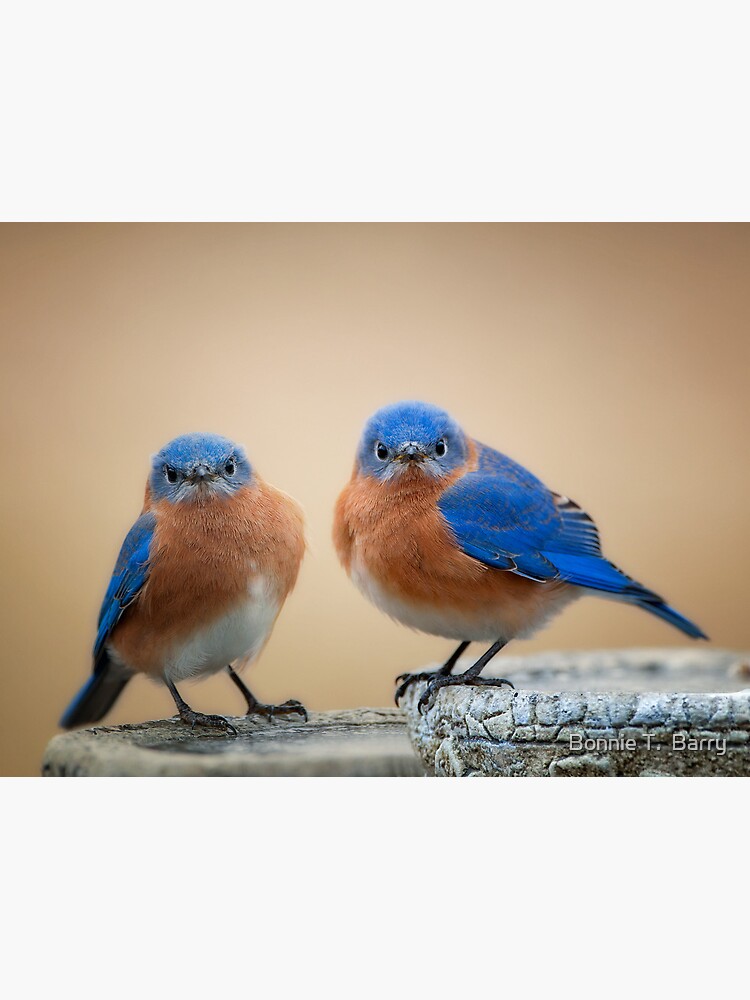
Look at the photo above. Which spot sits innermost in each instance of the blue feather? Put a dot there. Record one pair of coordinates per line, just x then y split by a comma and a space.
108, 679
97, 695
505, 517
502, 515
668, 614
590, 571
129, 575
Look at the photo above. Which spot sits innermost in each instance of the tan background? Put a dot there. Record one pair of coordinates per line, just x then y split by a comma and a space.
612, 360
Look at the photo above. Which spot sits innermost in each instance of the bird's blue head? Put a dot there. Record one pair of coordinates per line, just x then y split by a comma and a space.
198, 467
411, 438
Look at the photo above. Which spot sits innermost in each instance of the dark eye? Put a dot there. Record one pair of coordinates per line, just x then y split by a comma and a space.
170, 473
381, 451
441, 447
229, 467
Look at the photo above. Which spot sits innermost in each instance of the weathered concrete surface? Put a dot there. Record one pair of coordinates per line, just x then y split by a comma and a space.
649, 710
366, 742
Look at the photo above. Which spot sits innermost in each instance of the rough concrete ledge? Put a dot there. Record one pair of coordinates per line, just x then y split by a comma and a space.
644, 712
365, 742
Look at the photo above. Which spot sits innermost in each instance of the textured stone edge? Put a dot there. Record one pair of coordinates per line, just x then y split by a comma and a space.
502, 732
128, 750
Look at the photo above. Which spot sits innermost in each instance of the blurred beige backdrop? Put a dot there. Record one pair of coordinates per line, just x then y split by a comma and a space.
612, 360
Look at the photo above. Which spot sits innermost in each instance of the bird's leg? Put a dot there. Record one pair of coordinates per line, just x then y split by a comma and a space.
194, 719
426, 675
470, 676
254, 707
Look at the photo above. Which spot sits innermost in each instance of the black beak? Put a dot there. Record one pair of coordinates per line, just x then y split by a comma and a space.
200, 473
412, 453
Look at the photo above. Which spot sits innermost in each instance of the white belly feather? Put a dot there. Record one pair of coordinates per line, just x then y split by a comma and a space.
240, 634
473, 624
416, 616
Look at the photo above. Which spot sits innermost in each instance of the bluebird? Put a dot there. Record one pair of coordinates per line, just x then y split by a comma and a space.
199, 582
452, 538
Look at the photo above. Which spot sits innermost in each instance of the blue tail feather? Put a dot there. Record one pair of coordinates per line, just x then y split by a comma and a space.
599, 575
97, 695
667, 614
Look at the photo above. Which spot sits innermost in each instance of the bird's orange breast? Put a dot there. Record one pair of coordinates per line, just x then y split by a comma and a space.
394, 536
204, 559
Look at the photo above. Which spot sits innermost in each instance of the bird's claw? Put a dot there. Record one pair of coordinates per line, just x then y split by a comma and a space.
407, 679
289, 706
286, 708
194, 719
454, 681
424, 699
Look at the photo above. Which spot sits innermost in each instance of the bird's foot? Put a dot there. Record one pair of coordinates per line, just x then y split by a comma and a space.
440, 682
407, 679
193, 719
271, 711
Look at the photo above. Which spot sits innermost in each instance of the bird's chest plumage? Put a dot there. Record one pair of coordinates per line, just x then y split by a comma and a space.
400, 552
218, 575
401, 539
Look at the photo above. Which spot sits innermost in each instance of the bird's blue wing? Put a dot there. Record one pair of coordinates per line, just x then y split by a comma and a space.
505, 517
501, 523
130, 573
